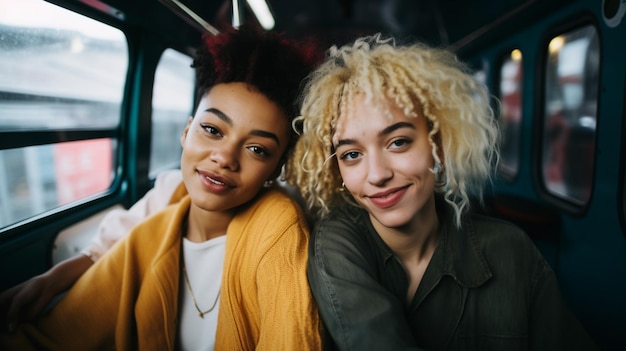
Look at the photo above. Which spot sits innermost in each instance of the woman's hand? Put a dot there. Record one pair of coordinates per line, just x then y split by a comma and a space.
25, 302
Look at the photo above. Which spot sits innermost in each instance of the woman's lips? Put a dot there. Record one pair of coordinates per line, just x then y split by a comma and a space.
215, 183
387, 198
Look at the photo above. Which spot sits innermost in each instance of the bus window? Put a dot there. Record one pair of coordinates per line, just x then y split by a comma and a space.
510, 88
480, 75
172, 104
62, 80
570, 111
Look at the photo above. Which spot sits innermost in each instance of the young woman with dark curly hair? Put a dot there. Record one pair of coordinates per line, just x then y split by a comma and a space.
224, 266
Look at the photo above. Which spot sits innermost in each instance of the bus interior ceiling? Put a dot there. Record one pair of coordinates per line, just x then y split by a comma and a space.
585, 246
443, 23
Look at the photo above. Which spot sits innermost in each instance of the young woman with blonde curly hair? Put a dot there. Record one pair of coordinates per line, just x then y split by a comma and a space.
397, 141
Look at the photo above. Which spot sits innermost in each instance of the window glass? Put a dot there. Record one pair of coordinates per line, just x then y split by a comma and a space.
39, 178
510, 113
172, 104
571, 99
59, 70
481, 76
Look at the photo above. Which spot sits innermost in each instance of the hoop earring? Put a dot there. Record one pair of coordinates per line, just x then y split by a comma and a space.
438, 168
343, 187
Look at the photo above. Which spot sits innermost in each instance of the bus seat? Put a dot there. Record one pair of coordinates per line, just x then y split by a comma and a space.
539, 221
72, 240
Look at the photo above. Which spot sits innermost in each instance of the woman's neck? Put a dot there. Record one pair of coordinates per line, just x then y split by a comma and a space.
414, 244
202, 225
416, 240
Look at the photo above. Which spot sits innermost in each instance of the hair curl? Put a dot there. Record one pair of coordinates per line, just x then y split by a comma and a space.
421, 80
267, 61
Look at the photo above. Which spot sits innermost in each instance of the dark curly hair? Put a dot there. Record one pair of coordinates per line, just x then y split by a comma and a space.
268, 61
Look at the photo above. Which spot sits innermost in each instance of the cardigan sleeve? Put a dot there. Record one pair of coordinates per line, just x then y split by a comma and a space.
125, 301
266, 302
288, 314
85, 318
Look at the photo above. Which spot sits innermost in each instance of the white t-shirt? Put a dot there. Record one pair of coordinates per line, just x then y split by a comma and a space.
204, 263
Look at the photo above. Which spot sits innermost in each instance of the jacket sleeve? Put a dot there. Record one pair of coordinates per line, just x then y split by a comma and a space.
288, 315
118, 222
85, 318
359, 313
552, 324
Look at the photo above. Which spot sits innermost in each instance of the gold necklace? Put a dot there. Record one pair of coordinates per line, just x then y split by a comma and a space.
193, 297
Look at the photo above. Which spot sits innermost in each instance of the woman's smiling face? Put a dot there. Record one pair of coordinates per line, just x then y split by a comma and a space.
234, 143
385, 161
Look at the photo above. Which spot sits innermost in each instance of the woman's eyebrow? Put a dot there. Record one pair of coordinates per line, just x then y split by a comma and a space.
221, 115
257, 132
265, 134
341, 142
395, 127
388, 130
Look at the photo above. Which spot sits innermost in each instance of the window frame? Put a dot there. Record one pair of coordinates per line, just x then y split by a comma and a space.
67, 214
505, 173
154, 170
575, 23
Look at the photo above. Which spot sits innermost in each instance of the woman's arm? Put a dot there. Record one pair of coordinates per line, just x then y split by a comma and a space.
552, 325
85, 318
289, 317
117, 223
26, 301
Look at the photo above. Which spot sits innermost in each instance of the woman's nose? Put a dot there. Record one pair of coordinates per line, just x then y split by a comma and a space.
226, 156
378, 172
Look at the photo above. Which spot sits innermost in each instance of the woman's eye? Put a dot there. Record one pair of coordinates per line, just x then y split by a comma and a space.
211, 129
259, 151
398, 143
349, 156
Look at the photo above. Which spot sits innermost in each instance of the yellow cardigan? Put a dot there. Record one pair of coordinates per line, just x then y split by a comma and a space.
129, 299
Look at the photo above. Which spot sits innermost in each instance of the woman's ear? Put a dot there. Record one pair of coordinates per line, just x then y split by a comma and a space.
277, 171
183, 136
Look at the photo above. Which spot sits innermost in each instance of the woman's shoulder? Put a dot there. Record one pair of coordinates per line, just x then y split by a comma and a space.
498, 237
275, 201
348, 216
162, 221
493, 227
273, 210
344, 226
155, 235
347, 212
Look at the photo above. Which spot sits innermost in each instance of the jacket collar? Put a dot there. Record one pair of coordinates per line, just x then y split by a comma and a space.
461, 255
457, 255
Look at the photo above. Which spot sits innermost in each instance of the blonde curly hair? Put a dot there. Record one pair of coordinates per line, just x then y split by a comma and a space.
421, 80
